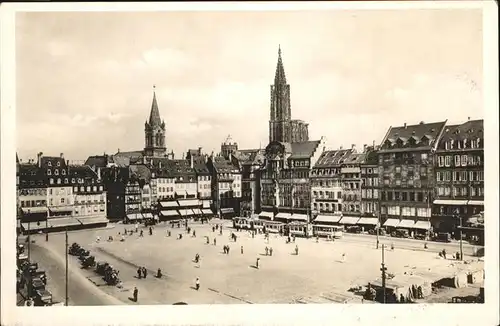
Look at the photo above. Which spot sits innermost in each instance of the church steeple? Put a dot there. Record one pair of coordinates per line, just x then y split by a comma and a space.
154, 115
280, 77
154, 132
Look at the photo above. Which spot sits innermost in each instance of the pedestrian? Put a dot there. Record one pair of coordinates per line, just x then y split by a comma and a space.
208, 240
158, 273
213, 228
228, 249
317, 239
294, 239
296, 250
215, 241
267, 251
144, 272
343, 257
98, 239
402, 298
142, 233
197, 283
425, 245
257, 263
136, 226
150, 231
139, 273
189, 230
419, 292
220, 231
136, 293
194, 234
271, 251
444, 253
392, 245
253, 234
242, 250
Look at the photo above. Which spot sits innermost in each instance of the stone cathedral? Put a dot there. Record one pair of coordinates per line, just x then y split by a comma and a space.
154, 132
281, 126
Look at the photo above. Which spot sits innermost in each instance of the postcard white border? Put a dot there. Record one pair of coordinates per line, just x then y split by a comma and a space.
442, 314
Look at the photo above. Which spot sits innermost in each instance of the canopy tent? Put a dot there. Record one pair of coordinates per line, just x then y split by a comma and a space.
422, 225
368, 221
393, 222
328, 218
349, 220
172, 203
406, 223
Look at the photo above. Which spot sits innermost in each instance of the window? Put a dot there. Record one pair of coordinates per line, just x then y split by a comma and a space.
464, 191
464, 175
480, 175
62, 200
58, 181
101, 188
88, 188
398, 169
49, 172
447, 161
473, 191
456, 191
424, 212
457, 160
94, 188
423, 156
56, 172
447, 176
63, 172
423, 171
441, 160
441, 191
65, 180
58, 163
464, 160
439, 176
447, 191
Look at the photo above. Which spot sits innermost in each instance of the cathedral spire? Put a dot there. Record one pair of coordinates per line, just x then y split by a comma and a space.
154, 116
280, 77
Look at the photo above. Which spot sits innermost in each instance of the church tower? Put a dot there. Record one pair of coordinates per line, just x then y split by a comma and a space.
154, 132
279, 123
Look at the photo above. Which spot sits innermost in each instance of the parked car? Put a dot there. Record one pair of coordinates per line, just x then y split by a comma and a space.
442, 237
400, 233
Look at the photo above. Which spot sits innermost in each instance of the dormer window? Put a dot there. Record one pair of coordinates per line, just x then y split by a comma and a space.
478, 143
464, 145
58, 163
63, 172
49, 163
459, 144
58, 181
56, 172
49, 172
51, 181
65, 180
72, 180
451, 143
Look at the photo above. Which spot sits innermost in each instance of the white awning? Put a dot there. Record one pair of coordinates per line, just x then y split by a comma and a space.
206, 204
349, 220
450, 202
406, 224
57, 209
368, 220
169, 204
475, 202
169, 213
147, 215
33, 226
298, 217
188, 202
207, 211
267, 214
93, 220
226, 210
422, 225
285, 216
185, 212
63, 221
34, 210
328, 218
191, 192
391, 222
196, 211
134, 216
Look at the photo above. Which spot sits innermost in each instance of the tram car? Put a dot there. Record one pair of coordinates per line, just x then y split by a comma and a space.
274, 227
241, 223
297, 229
328, 231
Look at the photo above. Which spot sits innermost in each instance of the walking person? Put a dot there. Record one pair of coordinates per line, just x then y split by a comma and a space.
213, 228
215, 241
228, 249
197, 284
136, 227
194, 234
141, 234
242, 250
150, 231
257, 263
267, 251
271, 251
144, 272
344, 257
136, 294
139, 273
296, 250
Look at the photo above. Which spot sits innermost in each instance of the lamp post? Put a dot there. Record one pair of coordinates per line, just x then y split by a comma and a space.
383, 269
457, 215
66, 233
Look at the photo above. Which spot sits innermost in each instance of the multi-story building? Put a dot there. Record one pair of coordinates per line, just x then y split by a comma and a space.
249, 163
459, 170
89, 194
226, 185
60, 196
351, 184
198, 162
370, 183
32, 193
326, 185
406, 174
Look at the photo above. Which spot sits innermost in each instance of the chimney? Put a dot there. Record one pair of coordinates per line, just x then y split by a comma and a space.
61, 155
199, 150
353, 146
341, 147
191, 161
374, 144
39, 155
421, 122
468, 118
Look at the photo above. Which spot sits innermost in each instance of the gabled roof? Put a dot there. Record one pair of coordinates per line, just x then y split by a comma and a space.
471, 129
223, 166
140, 172
97, 161
81, 171
430, 131
304, 149
53, 161
333, 158
124, 159
200, 166
250, 156
355, 158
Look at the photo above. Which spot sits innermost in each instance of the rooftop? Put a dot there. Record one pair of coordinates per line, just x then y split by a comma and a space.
412, 137
304, 149
471, 129
333, 158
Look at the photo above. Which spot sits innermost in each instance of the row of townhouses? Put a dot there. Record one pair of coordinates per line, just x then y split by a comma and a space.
425, 176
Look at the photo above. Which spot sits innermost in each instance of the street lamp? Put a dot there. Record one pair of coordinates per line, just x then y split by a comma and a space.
457, 215
383, 269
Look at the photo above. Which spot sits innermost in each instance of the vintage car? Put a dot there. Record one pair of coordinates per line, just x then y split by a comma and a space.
400, 233
442, 237
353, 229
43, 297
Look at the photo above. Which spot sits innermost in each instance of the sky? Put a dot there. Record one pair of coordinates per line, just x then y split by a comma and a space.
85, 80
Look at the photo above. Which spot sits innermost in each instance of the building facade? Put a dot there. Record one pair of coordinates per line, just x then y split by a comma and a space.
370, 198
226, 185
459, 172
351, 183
89, 193
406, 173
